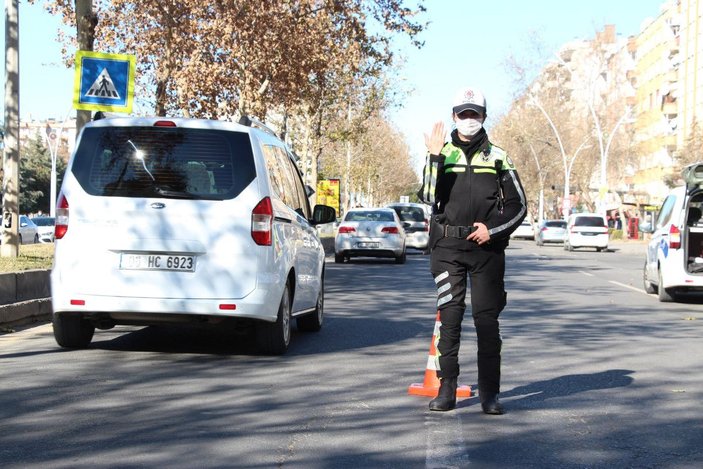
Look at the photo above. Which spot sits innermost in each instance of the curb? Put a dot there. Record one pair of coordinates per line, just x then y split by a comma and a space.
25, 298
25, 312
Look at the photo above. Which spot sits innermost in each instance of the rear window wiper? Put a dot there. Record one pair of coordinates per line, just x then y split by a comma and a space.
183, 195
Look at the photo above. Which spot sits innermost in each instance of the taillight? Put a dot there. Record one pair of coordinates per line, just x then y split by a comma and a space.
262, 222
674, 237
164, 124
544, 228
390, 230
346, 229
61, 226
427, 226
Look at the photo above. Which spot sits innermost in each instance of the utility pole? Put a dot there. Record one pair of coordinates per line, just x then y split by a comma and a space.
11, 147
86, 21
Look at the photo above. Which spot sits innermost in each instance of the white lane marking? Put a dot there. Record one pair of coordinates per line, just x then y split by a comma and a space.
628, 286
587, 273
445, 441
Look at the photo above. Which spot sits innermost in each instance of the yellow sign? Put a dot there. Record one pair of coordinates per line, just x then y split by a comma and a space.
104, 82
328, 191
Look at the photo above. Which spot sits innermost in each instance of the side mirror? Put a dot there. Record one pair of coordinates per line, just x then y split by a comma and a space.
309, 191
322, 214
646, 228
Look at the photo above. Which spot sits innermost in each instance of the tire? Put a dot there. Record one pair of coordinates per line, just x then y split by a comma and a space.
648, 287
274, 338
20, 240
665, 294
72, 331
401, 259
338, 258
313, 322
599, 249
36, 238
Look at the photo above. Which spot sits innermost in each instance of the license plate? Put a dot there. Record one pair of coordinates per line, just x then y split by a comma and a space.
157, 262
368, 245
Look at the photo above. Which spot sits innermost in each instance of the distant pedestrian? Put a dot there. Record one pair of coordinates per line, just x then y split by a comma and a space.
478, 201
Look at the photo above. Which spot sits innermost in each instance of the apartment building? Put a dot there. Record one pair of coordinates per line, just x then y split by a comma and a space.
656, 107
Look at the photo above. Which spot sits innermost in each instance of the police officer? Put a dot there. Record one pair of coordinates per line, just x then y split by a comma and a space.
478, 201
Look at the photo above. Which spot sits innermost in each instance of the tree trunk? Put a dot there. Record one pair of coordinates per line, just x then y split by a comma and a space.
86, 21
11, 154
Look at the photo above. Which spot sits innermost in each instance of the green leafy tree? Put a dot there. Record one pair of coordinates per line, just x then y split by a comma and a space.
35, 176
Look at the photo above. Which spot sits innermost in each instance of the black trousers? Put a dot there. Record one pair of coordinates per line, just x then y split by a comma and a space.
486, 270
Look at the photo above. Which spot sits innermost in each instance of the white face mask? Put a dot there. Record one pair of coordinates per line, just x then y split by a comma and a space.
468, 127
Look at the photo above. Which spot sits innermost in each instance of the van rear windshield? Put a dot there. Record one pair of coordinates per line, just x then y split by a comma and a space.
589, 221
164, 162
410, 213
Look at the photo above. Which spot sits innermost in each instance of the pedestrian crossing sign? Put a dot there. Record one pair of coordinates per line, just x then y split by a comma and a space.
104, 82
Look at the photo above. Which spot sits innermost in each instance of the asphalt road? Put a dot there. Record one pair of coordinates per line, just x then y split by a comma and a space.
596, 373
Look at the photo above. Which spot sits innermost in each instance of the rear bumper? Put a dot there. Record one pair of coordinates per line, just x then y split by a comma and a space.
350, 247
126, 310
417, 240
370, 253
595, 241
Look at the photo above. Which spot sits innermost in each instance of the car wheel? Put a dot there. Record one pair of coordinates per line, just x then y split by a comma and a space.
36, 238
313, 322
20, 239
338, 258
648, 287
274, 338
401, 259
72, 331
665, 294
599, 249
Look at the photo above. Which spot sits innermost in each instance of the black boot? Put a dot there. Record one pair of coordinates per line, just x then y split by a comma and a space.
446, 397
490, 403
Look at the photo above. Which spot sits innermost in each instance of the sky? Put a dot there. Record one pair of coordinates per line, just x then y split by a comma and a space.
466, 44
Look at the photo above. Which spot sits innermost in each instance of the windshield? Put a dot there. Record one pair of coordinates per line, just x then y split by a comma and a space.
410, 214
369, 216
164, 162
43, 221
555, 224
589, 221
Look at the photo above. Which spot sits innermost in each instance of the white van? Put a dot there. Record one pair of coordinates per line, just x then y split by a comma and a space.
164, 220
586, 230
674, 262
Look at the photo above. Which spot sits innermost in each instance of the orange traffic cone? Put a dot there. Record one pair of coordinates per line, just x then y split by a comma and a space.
430, 386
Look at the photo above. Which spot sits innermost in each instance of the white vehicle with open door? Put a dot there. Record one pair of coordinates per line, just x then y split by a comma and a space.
674, 261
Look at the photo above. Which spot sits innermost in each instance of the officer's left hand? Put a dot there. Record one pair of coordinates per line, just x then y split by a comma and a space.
481, 235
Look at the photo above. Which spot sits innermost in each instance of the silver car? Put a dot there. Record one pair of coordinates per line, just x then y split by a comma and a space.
551, 231
370, 232
28, 231
416, 223
45, 228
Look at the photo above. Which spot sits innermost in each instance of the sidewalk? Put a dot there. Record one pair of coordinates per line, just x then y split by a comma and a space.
630, 246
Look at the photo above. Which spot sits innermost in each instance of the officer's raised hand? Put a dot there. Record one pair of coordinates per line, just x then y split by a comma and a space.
435, 141
480, 234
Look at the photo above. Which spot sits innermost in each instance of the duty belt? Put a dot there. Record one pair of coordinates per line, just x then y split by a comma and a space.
461, 232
